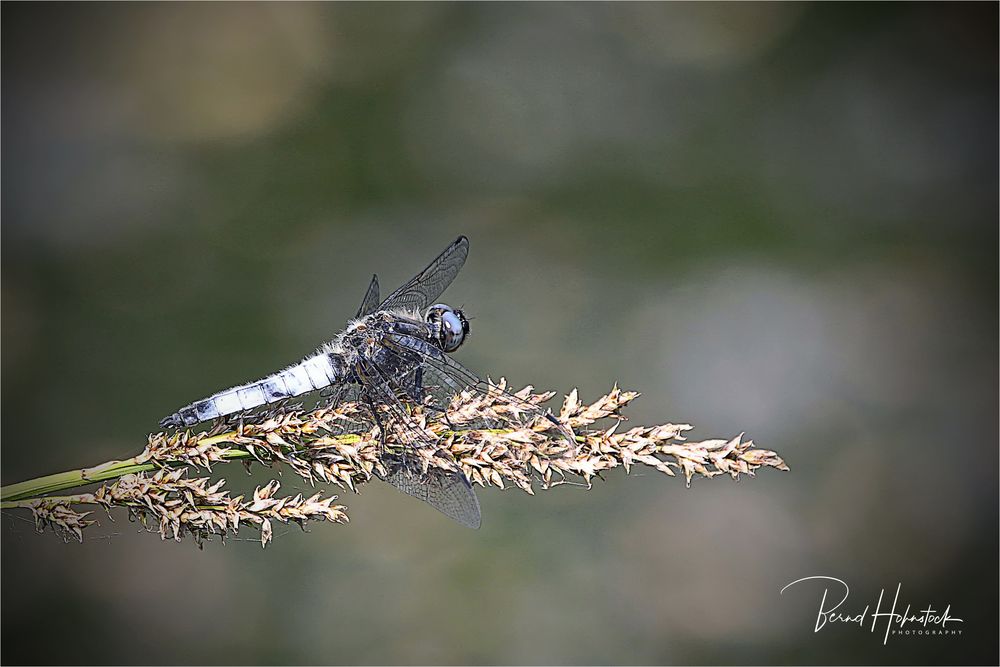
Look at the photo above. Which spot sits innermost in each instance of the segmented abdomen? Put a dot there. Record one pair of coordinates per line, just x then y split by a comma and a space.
310, 374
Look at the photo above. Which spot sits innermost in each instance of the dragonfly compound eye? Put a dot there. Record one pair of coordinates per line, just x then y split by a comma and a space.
450, 326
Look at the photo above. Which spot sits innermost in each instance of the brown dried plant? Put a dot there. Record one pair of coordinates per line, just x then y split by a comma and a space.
325, 445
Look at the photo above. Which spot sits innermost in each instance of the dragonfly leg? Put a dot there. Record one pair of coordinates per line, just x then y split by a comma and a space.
370, 404
416, 393
441, 411
220, 425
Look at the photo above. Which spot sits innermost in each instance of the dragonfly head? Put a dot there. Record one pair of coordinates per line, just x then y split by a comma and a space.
448, 326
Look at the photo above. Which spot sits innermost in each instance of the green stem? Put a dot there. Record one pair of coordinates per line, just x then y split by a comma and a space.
72, 479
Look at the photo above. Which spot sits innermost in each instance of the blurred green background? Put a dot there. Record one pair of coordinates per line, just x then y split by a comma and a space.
778, 219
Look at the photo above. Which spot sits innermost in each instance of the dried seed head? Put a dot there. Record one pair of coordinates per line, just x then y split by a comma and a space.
315, 445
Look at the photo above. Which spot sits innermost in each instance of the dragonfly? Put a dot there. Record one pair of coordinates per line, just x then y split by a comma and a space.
393, 355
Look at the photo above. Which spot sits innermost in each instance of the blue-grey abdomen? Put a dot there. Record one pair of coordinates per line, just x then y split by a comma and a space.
312, 373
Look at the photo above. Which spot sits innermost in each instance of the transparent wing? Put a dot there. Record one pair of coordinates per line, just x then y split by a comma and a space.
425, 287
370, 302
443, 378
448, 492
381, 391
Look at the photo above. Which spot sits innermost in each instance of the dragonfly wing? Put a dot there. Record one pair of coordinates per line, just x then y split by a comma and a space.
448, 492
382, 395
443, 377
424, 288
370, 302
